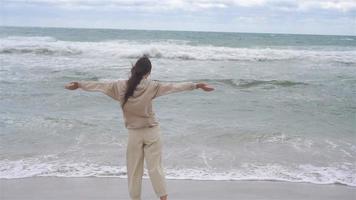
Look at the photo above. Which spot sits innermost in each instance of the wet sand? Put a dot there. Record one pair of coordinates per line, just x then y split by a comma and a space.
56, 188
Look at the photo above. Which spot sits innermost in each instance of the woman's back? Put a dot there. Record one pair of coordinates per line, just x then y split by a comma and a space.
137, 110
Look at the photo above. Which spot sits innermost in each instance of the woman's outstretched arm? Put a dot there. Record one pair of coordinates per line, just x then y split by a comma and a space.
109, 88
168, 88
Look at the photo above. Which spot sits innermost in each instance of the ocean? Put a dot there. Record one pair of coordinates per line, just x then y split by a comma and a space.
283, 109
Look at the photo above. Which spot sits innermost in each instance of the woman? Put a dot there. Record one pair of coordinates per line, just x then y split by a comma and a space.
136, 95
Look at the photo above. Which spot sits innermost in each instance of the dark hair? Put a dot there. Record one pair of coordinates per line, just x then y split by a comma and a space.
142, 67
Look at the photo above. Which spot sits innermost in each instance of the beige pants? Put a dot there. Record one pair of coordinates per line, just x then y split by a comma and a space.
144, 143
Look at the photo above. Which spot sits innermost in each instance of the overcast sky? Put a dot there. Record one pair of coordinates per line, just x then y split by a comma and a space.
272, 16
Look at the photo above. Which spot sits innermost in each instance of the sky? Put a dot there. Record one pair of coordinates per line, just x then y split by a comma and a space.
325, 17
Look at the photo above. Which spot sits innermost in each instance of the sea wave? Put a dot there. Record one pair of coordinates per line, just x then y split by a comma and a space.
167, 49
40, 51
342, 174
250, 83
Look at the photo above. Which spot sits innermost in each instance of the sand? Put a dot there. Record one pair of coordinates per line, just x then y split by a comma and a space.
53, 188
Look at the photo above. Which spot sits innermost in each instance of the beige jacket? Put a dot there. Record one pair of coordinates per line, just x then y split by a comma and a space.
137, 111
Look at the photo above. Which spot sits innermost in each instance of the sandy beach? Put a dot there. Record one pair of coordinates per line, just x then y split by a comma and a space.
51, 188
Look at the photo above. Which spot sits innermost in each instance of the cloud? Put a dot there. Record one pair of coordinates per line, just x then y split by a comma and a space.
193, 5
341, 5
279, 16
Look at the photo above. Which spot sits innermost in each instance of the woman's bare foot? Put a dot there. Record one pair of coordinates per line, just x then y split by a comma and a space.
164, 197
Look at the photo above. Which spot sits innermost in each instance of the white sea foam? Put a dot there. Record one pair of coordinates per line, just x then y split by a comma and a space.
166, 49
344, 174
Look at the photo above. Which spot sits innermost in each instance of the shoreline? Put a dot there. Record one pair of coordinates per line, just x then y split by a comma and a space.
37, 188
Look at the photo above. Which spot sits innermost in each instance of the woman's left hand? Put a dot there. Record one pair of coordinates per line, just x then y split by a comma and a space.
205, 87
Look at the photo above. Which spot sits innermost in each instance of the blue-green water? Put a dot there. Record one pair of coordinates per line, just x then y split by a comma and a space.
284, 107
192, 38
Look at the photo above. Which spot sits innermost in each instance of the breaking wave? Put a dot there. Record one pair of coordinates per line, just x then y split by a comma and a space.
248, 171
166, 49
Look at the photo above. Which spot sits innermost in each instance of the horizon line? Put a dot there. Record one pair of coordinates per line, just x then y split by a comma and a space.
201, 31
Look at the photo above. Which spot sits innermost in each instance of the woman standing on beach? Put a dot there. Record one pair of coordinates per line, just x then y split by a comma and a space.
136, 95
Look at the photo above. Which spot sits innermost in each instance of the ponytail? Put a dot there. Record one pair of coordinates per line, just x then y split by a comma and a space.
140, 69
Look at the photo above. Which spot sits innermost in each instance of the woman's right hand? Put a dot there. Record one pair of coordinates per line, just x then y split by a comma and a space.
205, 87
72, 86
